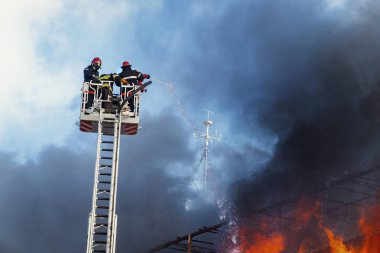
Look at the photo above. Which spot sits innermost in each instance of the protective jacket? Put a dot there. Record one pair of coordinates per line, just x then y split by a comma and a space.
130, 75
110, 78
91, 74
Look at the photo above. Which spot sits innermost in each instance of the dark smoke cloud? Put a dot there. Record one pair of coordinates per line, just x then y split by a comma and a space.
154, 191
313, 83
302, 73
45, 204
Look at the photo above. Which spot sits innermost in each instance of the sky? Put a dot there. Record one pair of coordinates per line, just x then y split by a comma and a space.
284, 79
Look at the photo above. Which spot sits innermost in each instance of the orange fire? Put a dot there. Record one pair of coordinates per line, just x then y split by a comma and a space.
305, 230
336, 243
271, 244
370, 227
302, 249
370, 232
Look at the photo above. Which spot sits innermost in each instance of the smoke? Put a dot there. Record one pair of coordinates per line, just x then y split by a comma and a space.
316, 88
53, 196
298, 82
296, 85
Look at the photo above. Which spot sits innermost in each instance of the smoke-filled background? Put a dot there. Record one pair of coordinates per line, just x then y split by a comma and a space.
294, 86
318, 83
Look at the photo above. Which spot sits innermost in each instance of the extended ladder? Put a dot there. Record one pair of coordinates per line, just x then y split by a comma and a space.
103, 219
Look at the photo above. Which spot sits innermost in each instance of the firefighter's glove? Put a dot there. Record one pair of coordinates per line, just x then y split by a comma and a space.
146, 76
124, 81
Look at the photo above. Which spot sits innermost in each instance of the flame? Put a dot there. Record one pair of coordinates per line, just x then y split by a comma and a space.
305, 230
336, 243
370, 227
270, 244
302, 249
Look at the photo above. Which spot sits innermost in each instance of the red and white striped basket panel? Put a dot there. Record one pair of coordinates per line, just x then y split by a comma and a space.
85, 126
130, 129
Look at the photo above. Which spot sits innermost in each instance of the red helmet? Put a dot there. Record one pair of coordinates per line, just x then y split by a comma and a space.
125, 64
96, 63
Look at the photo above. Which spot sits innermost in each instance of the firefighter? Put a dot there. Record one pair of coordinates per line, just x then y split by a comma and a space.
132, 77
91, 74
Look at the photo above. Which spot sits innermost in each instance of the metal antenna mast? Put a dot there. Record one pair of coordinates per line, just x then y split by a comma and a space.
208, 138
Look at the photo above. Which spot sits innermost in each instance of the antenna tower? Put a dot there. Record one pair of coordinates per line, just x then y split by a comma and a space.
207, 138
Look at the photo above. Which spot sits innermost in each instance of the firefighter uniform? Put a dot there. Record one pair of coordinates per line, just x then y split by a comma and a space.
128, 76
91, 74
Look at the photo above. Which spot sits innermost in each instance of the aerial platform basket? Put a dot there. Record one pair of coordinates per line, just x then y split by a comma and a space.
129, 121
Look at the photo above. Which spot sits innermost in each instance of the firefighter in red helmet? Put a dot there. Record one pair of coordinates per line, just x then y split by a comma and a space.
91, 74
129, 76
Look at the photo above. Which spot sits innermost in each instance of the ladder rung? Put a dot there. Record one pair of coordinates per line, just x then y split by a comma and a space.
103, 198
98, 251
100, 233
104, 190
101, 215
107, 142
103, 207
105, 174
105, 165
101, 224
107, 149
100, 242
104, 182
106, 157
110, 110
